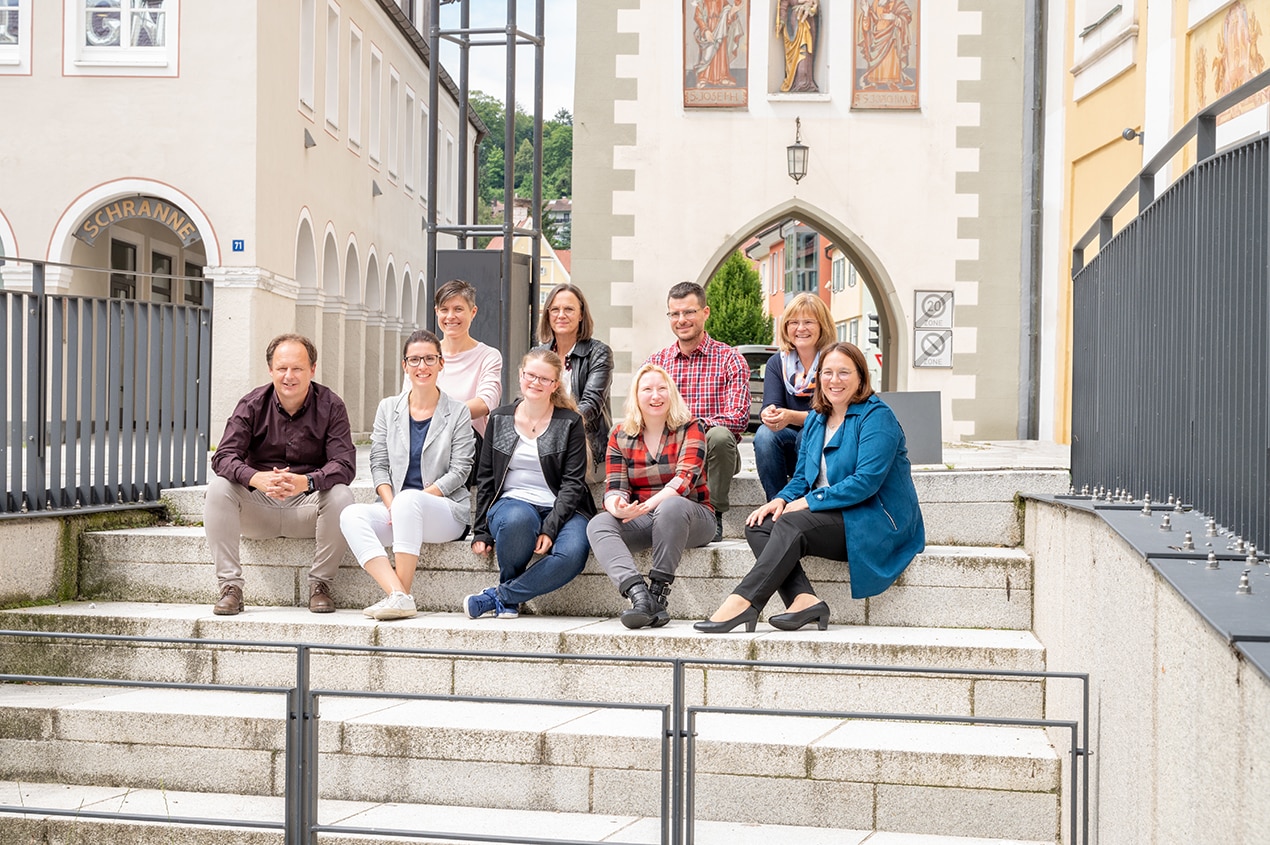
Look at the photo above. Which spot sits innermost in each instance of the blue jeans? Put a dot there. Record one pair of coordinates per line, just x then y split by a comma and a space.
516, 526
776, 455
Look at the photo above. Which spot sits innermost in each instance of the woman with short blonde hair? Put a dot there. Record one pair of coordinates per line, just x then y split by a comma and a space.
804, 330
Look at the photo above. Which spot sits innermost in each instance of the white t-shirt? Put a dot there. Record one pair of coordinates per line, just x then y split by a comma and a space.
524, 479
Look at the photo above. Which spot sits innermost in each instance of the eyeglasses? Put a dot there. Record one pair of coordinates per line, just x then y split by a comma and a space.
800, 324
530, 378
683, 315
566, 311
426, 360
837, 375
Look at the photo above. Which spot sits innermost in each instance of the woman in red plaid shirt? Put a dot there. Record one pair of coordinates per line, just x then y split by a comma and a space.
655, 495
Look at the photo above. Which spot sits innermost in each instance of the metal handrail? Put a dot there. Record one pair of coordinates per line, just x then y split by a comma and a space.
300, 824
1203, 128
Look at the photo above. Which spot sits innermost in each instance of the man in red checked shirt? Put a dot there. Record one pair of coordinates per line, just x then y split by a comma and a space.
715, 382
282, 468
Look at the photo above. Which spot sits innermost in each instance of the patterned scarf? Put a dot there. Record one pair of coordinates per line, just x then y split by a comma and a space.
798, 383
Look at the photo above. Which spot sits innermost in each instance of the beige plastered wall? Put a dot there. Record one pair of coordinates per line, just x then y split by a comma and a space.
926, 199
1180, 739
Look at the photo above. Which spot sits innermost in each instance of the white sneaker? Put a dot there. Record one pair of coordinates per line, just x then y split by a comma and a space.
397, 606
369, 612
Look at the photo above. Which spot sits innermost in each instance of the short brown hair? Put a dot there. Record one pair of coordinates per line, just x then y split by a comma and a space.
585, 327
818, 401
806, 303
420, 336
453, 288
291, 338
685, 289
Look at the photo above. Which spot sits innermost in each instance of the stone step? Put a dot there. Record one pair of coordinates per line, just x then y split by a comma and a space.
512, 672
377, 814
960, 507
823, 772
945, 586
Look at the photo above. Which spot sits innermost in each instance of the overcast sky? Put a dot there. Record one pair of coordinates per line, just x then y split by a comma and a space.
487, 71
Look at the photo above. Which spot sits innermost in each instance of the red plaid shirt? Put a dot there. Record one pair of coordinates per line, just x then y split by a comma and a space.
714, 380
631, 471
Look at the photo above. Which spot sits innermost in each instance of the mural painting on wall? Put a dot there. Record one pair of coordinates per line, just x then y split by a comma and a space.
716, 53
886, 54
1226, 53
798, 27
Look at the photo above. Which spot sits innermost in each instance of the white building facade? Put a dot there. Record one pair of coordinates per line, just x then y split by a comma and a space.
276, 151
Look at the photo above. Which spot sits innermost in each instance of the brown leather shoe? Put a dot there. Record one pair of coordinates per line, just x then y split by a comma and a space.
320, 600
231, 601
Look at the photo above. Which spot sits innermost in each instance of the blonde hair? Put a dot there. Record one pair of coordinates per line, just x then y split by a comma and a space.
677, 413
806, 303
559, 397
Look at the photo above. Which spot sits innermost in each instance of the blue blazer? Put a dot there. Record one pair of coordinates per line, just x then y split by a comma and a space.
871, 482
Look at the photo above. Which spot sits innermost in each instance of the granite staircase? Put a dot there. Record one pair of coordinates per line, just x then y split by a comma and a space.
476, 758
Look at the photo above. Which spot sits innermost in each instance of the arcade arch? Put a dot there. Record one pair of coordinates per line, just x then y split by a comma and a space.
872, 273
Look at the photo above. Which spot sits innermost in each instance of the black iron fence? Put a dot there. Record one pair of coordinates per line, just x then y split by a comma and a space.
300, 823
1171, 333
104, 402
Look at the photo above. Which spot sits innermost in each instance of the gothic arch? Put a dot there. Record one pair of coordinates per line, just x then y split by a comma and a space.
895, 342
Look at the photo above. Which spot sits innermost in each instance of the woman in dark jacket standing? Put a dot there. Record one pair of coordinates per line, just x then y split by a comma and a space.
565, 328
851, 498
531, 492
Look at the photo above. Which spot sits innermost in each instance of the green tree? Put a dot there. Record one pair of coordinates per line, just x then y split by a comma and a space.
735, 296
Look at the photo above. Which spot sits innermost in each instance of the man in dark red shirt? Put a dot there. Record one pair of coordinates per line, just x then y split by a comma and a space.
282, 469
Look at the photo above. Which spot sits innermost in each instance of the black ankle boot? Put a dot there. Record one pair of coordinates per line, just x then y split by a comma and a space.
660, 591
644, 609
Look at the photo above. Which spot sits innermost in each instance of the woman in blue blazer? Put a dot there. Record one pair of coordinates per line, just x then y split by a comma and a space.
851, 498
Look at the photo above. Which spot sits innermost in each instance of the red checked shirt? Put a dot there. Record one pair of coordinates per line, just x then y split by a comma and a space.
714, 380
635, 474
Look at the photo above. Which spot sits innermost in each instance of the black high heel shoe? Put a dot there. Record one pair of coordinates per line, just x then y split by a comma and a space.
748, 617
818, 613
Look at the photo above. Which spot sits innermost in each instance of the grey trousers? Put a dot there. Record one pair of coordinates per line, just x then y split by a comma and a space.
677, 524
723, 460
231, 511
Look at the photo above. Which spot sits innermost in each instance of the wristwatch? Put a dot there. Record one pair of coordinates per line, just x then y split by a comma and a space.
311, 487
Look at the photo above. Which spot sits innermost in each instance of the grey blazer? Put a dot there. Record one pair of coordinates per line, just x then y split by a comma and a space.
448, 452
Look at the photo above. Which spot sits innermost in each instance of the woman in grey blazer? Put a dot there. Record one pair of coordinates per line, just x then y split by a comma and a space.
422, 449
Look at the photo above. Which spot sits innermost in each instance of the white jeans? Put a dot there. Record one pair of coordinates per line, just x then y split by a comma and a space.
416, 518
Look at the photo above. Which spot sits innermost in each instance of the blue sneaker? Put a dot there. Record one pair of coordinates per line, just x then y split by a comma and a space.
486, 603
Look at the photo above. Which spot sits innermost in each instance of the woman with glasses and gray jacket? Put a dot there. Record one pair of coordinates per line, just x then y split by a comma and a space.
422, 449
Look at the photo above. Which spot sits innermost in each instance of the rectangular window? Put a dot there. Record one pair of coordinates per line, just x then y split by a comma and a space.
193, 283
408, 166
394, 114
333, 66
161, 281
802, 272
853, 331
15, 37
308, 47
376, 104
354, 86
451, 179
423, 153
839, 271
841, 328
123, 256
121, 37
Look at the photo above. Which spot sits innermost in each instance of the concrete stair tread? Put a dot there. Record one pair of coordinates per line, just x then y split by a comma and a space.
828, 748
905, 646
598, 828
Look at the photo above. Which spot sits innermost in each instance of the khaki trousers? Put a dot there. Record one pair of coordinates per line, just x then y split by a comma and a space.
232, 511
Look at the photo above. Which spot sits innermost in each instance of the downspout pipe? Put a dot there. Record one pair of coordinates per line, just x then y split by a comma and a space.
1030, 243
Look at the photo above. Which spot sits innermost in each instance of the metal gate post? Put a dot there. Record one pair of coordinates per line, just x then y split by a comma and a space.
677, 756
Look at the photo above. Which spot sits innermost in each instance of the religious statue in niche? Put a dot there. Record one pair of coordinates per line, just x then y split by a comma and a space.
886, 55
716, 53
798, 25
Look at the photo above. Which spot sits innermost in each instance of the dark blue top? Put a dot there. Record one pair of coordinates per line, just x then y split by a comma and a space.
774, 392
418, 434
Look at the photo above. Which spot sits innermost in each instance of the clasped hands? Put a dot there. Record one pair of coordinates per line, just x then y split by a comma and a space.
280, 483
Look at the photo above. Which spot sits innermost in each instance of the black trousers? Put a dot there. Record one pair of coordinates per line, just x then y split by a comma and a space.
779, 547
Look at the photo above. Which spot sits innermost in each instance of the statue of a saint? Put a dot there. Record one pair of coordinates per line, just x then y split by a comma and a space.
798, 25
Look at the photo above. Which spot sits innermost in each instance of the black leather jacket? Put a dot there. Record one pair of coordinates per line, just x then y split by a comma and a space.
562, 454
590, 367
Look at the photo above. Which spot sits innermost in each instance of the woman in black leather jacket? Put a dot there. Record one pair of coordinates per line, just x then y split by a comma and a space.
531, 492
565, 328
